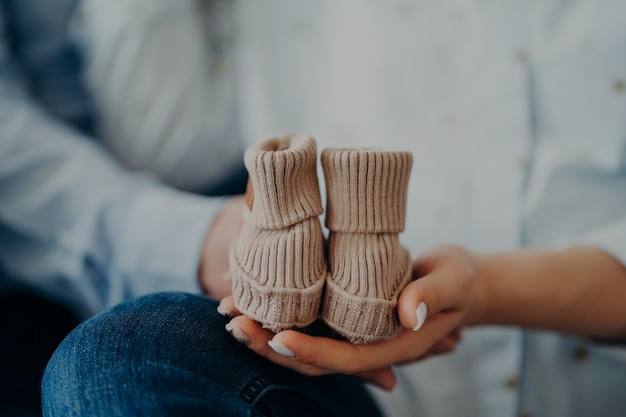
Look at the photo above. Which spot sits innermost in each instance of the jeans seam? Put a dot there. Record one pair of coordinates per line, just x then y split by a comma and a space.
253, 390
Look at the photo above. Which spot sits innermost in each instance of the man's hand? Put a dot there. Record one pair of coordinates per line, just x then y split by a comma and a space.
221, 235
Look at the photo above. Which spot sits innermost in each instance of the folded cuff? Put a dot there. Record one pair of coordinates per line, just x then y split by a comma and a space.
366, 189
360, 320
366, 318
283, 175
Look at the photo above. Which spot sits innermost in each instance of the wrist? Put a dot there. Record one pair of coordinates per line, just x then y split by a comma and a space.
486, 298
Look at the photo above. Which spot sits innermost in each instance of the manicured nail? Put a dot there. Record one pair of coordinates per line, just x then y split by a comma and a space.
238, 334
281, 349
422, 313
224, 311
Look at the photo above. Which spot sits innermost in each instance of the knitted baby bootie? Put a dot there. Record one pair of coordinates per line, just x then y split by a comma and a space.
365, 212
278, 267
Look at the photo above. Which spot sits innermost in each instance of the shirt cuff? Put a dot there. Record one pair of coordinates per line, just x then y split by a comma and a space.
610, 237
160, 242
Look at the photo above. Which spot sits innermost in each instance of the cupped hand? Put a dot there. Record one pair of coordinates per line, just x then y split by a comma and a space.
446, 284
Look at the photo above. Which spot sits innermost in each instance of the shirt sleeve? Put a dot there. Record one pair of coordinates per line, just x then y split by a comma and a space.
610, 237
76, 225
155, 70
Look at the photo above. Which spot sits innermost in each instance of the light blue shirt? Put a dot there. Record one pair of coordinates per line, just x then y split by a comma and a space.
75, 222
515, 113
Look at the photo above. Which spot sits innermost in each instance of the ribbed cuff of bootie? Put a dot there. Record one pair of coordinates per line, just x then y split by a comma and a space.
283, 176
368, 272
276, 308
360, 320
366, 189
278, 275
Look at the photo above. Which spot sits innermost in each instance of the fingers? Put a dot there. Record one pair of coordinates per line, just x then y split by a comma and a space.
344, 357
445, 286
251, 334
383, 378
312, 355
227, 307
435, 304
445, 345
321, 352
268, 344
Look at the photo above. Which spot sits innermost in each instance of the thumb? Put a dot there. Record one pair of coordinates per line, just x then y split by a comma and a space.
439, 290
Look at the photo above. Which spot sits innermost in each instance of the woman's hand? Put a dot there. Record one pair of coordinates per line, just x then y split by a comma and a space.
575, 290
446, 284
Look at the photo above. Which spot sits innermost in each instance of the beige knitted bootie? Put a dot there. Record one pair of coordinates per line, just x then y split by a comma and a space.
365, 212
278, 266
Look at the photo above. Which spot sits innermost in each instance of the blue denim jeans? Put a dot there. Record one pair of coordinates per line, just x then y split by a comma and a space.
169, 355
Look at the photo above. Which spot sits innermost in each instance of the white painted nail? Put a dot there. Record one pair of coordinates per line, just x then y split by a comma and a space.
422, 313
281, 349
238, 334
224, 311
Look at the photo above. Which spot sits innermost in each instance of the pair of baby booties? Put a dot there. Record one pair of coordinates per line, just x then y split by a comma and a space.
284, 276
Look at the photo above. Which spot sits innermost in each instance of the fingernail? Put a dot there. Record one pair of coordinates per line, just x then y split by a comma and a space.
281, 349
224, 311
226, 276
238, 334
422, 313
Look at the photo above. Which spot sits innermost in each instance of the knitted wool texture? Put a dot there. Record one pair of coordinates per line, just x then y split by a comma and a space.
278, 266
366, 210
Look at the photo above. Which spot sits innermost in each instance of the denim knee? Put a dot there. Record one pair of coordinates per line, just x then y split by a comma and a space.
153, 355
169, 354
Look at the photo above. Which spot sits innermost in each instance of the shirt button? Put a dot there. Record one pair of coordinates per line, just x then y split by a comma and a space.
404, 9
511, 383
80, 14
585, 156
457, 15
452, 120
300, 27
519, 162
137, 8
443, 214
142, 107
581, 353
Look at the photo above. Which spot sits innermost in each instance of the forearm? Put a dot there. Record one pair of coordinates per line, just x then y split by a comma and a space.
578, 290
78, 226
